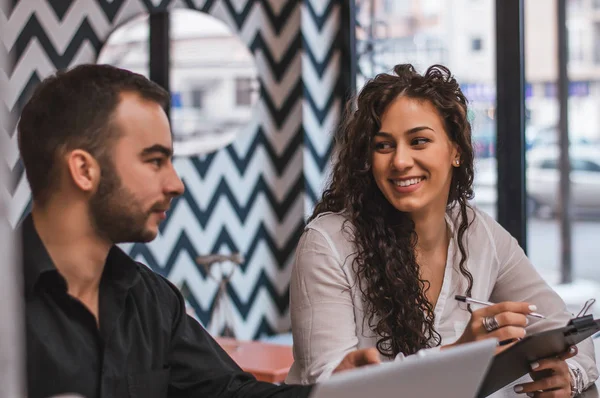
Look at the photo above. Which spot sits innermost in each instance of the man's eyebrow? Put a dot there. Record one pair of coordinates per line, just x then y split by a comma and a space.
166, 151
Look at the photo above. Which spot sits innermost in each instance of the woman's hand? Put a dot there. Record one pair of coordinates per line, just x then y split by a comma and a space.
551, 378
504, 321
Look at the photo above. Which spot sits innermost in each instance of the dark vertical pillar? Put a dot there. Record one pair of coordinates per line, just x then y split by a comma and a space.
347, 37
159, 50
563, 139
510, 72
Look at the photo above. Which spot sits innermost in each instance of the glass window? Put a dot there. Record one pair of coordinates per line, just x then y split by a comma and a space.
476, 44
127, 47
214, 78
584, 165
544, 241
197, 98
243, 91
577, 42
395, 6
597, 42
451, 33
549, 164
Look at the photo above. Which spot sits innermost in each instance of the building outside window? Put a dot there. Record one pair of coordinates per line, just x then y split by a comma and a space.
243, 91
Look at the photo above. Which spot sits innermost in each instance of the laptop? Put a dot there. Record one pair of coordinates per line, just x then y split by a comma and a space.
451, 373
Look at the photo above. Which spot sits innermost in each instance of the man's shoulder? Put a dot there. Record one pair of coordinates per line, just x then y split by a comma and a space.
157, 288
153, 280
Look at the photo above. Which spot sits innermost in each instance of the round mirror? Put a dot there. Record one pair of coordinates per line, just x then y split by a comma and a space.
214, 81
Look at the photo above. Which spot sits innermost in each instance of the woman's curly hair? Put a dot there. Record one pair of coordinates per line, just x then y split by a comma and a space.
385, 239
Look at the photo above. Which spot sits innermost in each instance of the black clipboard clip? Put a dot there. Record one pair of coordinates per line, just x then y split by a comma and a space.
582, 321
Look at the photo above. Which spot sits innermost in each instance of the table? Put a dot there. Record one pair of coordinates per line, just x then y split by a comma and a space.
266, 361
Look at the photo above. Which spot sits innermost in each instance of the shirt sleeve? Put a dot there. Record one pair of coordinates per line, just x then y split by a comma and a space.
322, 310
518, 280
199, 367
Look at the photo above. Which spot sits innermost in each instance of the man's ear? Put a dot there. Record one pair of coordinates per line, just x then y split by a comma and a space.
84, 170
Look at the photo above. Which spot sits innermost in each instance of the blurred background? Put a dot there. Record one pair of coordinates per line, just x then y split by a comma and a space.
257, 90
214, 84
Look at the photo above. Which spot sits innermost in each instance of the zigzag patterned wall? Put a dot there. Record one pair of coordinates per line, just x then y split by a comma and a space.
251, 196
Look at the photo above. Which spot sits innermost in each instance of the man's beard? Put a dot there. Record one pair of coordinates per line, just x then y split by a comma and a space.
115, 213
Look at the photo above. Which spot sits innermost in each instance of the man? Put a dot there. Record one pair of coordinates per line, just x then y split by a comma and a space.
97, 150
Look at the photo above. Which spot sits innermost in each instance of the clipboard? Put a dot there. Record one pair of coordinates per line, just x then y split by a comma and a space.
514, 362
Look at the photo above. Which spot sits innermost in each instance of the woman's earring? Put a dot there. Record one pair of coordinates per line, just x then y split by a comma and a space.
457, 162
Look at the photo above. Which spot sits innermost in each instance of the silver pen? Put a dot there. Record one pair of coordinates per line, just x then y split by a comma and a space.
487, 303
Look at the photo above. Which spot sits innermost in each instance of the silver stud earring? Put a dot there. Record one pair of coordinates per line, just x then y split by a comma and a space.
457, 162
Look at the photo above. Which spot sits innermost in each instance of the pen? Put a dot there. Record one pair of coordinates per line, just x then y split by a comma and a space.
487, 303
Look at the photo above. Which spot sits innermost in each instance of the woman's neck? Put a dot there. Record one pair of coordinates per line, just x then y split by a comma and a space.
432, 231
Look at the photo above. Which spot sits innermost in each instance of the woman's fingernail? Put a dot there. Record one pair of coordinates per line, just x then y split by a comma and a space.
518, 388
533, 307
526, 321
573, 349
535, 365
530, 394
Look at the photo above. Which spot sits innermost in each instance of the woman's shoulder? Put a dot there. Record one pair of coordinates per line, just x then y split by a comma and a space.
335, 228
480, 224
330, 223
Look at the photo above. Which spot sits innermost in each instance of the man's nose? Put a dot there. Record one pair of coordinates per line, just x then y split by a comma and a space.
174, 186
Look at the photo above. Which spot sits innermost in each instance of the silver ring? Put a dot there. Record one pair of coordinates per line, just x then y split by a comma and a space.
490, 323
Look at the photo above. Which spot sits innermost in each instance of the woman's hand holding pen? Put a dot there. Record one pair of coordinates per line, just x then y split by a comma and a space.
504, 321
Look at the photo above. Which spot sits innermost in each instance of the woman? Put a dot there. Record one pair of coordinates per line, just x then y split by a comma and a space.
393, 240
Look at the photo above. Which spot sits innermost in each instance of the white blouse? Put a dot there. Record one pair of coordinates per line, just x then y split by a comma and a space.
326, 304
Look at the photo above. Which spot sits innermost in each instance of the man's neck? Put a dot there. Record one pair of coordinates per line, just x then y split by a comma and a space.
75, 249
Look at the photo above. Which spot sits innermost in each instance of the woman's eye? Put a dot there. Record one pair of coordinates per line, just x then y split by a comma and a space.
420, 141
383, 146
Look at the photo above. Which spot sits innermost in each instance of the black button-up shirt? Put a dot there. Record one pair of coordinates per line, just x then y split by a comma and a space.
145, 346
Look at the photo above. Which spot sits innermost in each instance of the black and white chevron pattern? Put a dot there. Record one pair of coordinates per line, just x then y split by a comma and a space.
251, 196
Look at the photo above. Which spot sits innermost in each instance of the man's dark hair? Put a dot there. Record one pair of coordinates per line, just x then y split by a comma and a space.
73, 110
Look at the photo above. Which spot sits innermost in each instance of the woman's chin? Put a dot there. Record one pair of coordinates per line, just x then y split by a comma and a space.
407, 206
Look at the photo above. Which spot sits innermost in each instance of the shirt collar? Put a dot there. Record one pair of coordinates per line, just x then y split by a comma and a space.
119, 269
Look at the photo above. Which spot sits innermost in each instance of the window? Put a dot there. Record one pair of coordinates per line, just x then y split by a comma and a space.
202, 96
574, 5
549, 164
576, 165
596, 43
466, 29
584, 165
544, 243
576, 37
396, 7
197, 97
243, 91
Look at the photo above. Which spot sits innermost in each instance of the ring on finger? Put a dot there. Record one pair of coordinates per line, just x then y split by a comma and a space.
490, 323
